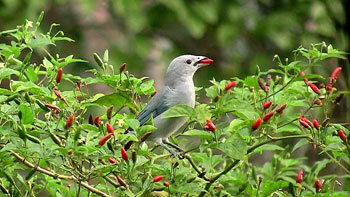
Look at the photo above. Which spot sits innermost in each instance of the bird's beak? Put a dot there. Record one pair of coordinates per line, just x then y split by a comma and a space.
205, 62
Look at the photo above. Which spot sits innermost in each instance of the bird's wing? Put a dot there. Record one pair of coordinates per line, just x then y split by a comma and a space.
156, 106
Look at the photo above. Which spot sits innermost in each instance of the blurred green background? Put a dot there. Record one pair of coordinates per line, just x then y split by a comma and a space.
148, 34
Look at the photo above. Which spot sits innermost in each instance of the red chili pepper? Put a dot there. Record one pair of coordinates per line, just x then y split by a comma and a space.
316, 125
314, 146
166, 183
97, 121
110, 128
318, 102
280, 108
58, 94
342, 135
267, 104
209, 126
112, 160
302, 74
256, 124
303, 123
262, 85
314, 88
121, 181
51, 106
230, 85
336, 73
300, 177
268, 116
104, 139
318, 185
124, 154
122, 67
306, 120
158, 178
69, 121
59, 75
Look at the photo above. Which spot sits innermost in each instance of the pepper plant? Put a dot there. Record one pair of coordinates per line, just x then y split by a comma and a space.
58, 138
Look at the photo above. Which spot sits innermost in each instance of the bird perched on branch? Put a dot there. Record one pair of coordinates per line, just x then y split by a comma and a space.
178, 89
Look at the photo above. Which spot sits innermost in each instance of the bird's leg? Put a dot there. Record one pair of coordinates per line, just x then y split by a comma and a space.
166, 141
175, 154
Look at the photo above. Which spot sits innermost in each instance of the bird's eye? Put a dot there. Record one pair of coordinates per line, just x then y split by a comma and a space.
188, 61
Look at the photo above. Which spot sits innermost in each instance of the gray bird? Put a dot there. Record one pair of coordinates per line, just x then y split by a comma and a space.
178, 89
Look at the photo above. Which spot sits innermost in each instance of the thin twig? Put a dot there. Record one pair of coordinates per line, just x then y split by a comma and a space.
59, 176
251, 149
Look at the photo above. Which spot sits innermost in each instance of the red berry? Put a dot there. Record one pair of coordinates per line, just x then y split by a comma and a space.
336, 73
318, 185
230, 85
300, 177
69, 121
59, 75
314, 88
110, 128
166, 183
158, 178
316, 125
268, 116
342, 135
256, 124
104, 139
97, 121
209, 126
124, 154
267, 104
112, 160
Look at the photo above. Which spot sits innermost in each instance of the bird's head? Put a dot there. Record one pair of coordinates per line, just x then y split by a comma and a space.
187, 65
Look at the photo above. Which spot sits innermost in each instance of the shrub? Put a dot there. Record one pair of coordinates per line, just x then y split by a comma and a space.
51, 142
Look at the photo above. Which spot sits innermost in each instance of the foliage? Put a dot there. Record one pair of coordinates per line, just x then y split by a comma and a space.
50, 143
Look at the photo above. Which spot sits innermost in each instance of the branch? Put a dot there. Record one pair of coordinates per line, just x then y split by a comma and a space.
56, 175
251, 149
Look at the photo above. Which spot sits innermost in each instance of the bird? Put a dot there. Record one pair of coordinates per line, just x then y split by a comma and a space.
178, 88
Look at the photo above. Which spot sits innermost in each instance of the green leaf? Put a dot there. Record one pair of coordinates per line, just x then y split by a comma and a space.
199, 133
116, 99
133, 123
268, 187
179, 111
271, 147
5, 91
6, 72
40, 42
235, 147
301, 143
31, 74
27, 114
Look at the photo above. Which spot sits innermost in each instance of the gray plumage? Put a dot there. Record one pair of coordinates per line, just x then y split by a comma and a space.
178, 89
